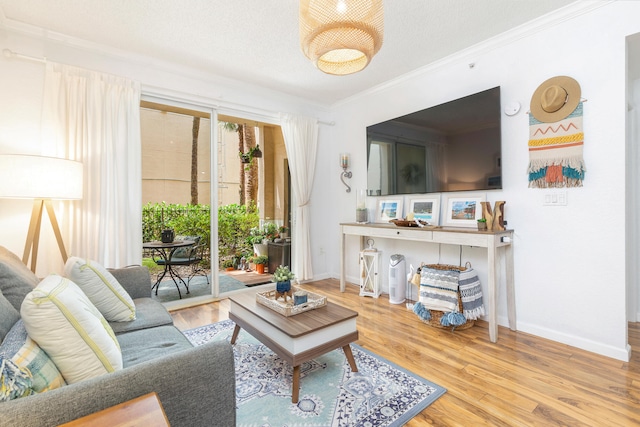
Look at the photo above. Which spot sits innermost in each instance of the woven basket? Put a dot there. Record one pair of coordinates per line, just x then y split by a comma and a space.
437, 315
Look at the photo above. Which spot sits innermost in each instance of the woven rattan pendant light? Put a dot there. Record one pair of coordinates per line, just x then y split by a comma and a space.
341, 36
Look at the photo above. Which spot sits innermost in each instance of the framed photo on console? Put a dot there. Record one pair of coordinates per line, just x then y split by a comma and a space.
426, 209
389, 209
462, 210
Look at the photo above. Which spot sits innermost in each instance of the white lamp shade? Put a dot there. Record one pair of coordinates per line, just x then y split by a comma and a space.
38, 177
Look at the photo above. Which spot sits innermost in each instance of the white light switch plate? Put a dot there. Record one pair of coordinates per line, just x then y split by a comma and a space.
555, 198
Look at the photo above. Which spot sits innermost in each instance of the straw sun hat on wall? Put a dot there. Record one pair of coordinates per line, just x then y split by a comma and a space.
555, 99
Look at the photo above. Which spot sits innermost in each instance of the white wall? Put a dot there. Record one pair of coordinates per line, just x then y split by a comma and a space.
569, 261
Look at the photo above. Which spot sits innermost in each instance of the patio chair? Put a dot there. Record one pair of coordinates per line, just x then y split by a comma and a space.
191, 256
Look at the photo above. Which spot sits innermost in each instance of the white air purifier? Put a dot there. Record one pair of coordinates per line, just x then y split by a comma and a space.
397, 279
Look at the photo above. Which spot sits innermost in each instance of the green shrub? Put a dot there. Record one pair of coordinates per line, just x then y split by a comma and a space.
234, 224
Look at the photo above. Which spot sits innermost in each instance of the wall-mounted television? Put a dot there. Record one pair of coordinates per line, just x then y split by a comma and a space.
455, 146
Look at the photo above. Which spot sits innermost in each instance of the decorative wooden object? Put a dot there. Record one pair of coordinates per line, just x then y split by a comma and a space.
487, 214
498, 216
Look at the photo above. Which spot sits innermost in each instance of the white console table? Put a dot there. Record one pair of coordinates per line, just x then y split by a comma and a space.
492, 240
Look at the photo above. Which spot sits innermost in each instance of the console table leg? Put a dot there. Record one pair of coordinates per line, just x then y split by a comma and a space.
511, 294
493, 303
342, 236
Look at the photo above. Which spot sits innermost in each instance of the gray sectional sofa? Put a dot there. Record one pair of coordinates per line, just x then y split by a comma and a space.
196, 385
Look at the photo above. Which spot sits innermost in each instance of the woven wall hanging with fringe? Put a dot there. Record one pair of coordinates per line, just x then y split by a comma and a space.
555, 152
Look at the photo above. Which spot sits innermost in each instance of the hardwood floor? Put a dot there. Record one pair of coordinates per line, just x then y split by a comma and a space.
521, 380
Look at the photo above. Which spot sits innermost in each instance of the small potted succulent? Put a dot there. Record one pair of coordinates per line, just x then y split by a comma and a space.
283, 277
482, 224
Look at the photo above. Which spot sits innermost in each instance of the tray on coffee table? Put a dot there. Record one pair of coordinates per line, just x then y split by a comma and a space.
268, 299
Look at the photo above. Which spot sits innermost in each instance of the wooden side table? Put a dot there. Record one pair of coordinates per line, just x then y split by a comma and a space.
142, 411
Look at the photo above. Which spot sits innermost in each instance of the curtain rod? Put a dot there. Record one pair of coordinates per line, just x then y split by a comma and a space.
11, 54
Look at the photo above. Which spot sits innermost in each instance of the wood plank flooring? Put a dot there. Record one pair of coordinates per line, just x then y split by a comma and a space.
521, 380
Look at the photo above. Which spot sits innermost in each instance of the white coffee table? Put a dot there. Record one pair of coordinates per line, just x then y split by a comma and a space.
299, 338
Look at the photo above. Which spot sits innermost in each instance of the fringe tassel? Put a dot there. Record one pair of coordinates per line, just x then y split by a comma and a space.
422, 311
575, 162
14, 381
553, 176
454, 319
475, 313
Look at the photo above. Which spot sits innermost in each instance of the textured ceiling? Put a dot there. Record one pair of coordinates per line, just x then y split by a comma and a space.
257, 41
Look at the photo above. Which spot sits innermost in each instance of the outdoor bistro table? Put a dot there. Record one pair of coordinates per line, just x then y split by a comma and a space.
165, 251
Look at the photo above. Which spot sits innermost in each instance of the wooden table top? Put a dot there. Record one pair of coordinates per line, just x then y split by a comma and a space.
142, 411
299, 324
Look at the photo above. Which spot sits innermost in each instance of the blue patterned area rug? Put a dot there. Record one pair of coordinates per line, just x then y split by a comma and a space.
381, 394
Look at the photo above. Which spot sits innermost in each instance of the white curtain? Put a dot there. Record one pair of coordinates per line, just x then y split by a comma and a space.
434, 167
301, 142
94, 118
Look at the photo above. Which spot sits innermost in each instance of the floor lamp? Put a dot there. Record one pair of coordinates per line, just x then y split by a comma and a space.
42, 179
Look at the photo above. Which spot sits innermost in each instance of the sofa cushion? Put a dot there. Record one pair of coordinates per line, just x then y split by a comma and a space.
102, 288
16, 280
149, 313
147, 344
188, 251
25, 353
65, 324
15, 381
8, 316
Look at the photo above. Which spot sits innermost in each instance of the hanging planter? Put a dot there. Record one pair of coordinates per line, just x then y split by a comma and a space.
255, 152
245, 158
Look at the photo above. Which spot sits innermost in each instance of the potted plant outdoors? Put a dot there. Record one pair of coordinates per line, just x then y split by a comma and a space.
284, 231
270, 231
260, 261
283, 277
244, 157
256, 238
482, 224
227, 264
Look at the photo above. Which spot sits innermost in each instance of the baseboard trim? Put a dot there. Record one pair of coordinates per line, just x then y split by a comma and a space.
619, 353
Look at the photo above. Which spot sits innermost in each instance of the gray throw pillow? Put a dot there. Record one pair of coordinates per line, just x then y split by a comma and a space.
188, 251
16, 280
8, 316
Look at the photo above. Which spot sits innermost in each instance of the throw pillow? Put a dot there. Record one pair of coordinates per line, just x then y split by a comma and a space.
8, 316
102, 288
14, 381
65, 324
188, 251
24, 352
16, 280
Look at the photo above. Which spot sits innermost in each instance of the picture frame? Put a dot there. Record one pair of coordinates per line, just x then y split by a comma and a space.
463, 210
426, 209
388, 209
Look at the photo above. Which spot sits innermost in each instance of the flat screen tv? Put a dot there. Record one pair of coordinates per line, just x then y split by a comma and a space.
455, 146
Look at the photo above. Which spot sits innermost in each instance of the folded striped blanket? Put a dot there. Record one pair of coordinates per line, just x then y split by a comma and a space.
471, 294
439, 289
